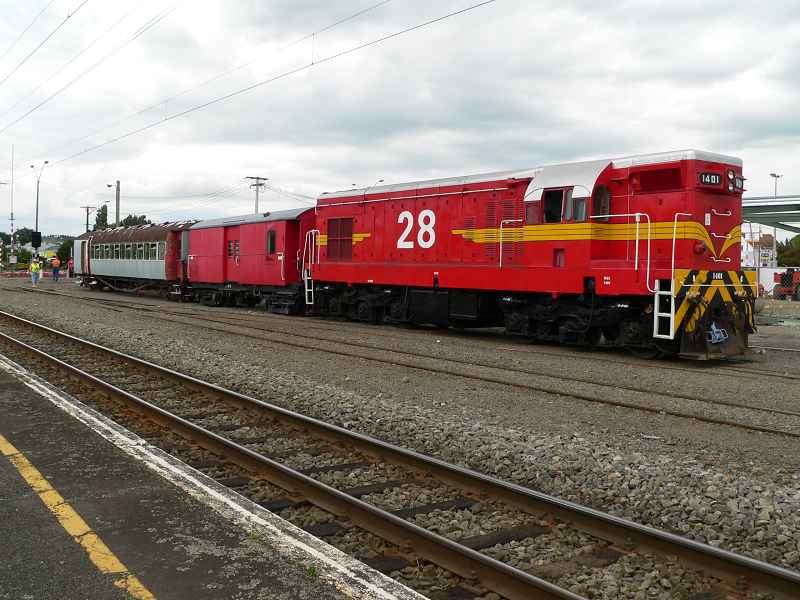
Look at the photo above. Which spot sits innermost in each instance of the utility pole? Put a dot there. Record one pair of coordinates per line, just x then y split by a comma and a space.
88, 208
13, 236
259, 183
117, 221
38, 180
11, 248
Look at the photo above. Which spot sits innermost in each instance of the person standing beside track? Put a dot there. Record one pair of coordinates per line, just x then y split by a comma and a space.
55, 264
35, 268
70, 267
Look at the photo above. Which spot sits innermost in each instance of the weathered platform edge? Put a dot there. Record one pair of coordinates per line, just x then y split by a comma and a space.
335, 568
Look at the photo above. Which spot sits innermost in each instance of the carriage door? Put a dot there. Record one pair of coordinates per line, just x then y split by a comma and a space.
233, 254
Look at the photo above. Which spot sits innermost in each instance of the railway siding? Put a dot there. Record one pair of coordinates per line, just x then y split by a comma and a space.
494, 512
750, 508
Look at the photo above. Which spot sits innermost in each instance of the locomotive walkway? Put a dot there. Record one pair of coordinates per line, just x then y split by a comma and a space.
83, 519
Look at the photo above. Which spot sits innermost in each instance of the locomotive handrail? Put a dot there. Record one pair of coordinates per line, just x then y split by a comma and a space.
674, 238
716, 213
502, 224
721, 260
638, 216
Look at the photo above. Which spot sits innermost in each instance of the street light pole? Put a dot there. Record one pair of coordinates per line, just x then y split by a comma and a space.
117, 221
38, 180
775, 176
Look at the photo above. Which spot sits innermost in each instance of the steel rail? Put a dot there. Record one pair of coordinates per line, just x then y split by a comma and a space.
470, 564
737, 570
500, 381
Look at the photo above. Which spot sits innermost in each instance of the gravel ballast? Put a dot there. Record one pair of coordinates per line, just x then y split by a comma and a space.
697, 488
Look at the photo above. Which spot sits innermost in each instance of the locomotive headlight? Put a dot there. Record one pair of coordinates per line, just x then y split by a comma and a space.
731, 175
730, 186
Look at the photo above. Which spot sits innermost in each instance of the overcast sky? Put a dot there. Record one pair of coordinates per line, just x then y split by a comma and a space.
512, 84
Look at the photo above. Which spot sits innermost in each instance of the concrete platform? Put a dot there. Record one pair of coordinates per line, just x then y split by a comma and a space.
183, 538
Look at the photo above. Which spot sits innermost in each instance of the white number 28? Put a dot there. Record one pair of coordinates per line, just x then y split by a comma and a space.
426, 236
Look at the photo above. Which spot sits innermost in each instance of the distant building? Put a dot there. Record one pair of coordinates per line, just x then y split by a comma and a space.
759, 251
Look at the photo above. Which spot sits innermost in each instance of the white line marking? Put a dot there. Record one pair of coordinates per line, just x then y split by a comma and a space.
348, 575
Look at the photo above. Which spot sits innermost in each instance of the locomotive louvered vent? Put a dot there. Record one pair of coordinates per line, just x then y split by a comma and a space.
510, 210
491, 222
660, 180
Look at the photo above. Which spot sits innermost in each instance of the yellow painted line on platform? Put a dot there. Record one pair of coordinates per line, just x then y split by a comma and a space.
100, 554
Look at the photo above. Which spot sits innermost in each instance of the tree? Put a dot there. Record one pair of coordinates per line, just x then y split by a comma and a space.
101, 218
132, 220
5, 238
789, 252
24, 236
65, 250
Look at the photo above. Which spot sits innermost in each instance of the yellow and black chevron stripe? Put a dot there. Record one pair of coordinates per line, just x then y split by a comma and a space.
698, 291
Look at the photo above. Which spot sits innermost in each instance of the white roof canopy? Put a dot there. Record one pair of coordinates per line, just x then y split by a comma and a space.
581, 176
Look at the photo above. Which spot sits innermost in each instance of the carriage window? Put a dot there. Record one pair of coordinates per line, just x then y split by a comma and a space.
116, 251
139, 251
162, 250
553, 205
601, 202
271, 241
154, 251
127, 251
340, 239
108, 250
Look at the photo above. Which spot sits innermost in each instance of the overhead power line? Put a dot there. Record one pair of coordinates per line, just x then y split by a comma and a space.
278, 77
24, 31
58, 71
149, 25
217, 77
43, 42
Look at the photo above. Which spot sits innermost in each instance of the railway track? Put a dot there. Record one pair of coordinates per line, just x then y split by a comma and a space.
604, 356
545, 381
345, 486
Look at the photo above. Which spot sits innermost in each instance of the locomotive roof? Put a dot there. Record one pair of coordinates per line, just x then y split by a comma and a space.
582, 174
278, 215
137, 233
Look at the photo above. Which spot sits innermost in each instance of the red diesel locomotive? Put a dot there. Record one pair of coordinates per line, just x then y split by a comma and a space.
642, 252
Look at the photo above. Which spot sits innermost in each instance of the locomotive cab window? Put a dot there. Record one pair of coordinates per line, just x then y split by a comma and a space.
533, 213
271, 241
601, 203
553, 205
